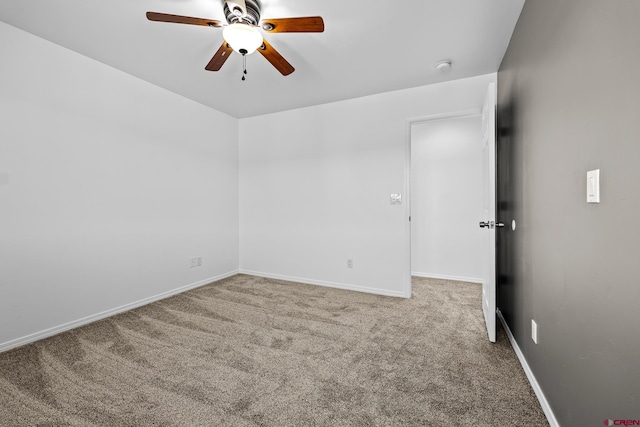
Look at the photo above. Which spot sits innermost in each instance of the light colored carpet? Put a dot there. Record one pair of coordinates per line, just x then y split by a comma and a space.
250, 351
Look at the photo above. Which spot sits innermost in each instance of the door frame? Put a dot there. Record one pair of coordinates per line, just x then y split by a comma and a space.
407, 183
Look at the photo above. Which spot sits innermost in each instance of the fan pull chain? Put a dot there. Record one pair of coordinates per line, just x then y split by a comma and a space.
244, 66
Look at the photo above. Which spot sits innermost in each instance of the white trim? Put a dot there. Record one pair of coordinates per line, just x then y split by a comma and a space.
108, 313
344, 286
446, 277
553, 422
406, 271
443, 116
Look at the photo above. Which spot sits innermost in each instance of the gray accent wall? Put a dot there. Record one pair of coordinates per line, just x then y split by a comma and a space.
569, 102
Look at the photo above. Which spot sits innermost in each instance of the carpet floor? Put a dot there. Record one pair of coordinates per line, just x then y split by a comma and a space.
249, 351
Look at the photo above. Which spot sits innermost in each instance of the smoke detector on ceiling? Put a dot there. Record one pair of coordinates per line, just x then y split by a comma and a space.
444, 65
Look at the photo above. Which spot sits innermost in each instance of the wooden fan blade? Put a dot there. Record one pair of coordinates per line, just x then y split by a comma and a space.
308, 24
165, 17
275, 58
219, 58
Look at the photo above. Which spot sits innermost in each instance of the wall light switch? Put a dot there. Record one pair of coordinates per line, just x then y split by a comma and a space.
593, 186
396, 199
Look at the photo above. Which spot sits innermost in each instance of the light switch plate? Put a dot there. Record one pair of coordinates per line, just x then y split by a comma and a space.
593, 186
396, 199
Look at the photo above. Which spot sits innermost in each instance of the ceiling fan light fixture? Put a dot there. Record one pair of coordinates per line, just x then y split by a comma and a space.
242, 38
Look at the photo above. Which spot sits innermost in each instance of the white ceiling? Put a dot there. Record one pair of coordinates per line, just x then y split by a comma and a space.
368, 47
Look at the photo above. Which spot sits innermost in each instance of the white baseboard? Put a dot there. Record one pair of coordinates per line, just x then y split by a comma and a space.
108, 313
553, 422
446, 277
344, 286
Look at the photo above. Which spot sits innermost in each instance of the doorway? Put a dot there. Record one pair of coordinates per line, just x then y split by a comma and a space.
445, 196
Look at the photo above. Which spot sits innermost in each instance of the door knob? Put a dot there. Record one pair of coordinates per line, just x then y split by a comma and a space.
491, 224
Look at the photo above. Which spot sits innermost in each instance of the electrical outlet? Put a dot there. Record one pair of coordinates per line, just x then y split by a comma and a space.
534, 331
199, 261
194, 262
349, 263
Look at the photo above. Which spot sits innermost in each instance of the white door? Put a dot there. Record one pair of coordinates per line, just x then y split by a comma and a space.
488, 221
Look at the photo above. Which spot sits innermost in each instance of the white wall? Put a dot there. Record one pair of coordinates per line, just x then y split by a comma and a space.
108, 185
446, 198
315, 186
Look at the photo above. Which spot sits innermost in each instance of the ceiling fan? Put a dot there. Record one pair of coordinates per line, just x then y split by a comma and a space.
241, 33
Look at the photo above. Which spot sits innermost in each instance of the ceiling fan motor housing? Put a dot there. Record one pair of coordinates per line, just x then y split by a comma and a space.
235, 16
